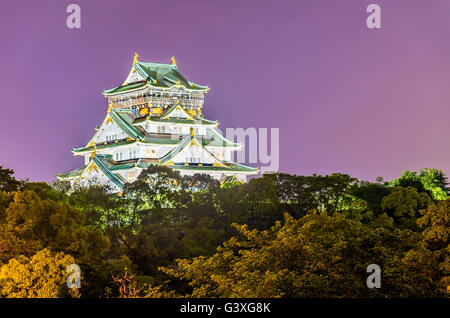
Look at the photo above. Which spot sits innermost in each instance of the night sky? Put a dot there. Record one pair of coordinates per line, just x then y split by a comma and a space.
345, 98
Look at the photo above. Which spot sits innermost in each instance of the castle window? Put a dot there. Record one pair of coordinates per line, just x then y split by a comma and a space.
193, 160
132, 154
151, 153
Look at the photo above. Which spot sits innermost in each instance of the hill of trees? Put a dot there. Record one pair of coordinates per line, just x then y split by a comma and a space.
279, 235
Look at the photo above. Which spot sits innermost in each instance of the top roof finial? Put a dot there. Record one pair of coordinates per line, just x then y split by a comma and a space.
174, 62
135, 59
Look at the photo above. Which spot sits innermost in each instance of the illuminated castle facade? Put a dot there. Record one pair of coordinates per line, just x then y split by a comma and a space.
155, 118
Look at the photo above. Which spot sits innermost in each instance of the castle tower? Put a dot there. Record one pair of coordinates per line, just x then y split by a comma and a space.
155, 117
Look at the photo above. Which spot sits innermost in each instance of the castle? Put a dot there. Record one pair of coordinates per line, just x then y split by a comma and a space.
155, 118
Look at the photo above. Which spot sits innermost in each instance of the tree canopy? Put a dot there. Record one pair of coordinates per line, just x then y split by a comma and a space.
279, 235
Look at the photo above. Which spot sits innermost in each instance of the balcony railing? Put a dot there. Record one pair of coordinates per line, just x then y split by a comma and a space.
159, 100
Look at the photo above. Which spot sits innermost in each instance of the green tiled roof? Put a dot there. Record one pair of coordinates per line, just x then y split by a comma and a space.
106, 165
103, 146
230, 167
166, 75
218, 140
160, 141
123, 166
147, 140
73, 173
126, 88
177, 149
124, 120
157, 75
145, 163
98, 160
128, 164
120, 177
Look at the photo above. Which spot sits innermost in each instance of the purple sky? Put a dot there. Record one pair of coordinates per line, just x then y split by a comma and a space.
346, 98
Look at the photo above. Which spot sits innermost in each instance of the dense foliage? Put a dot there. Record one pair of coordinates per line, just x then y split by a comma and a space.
279, 235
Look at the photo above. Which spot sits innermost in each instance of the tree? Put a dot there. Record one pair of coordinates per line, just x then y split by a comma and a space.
296, 194
435, 181
148, 251
5, 199
429, 180
261, 202
202, 239
334, 191
97, 277
413, 273
300, 194
44, 191
404, 204
103, 209
36, 224
128, 288
200, 182
436, 220
338, 227
7, 182
373, 194
43, 275
315, 256
156, 187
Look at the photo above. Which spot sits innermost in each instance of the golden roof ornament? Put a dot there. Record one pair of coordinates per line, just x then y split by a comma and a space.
111, 104
192, 131
135, 58
94, 151
174, 62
